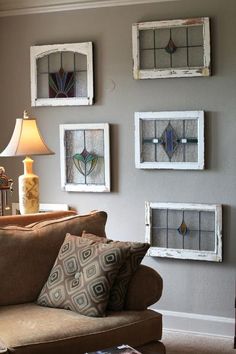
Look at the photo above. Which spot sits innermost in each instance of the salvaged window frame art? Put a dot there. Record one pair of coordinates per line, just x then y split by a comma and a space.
169, 47
157, 233
66, 83
167, 139
85, 157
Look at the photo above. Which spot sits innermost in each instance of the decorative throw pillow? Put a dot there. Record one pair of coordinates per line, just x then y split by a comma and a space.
118, 292
83, 275
137, 251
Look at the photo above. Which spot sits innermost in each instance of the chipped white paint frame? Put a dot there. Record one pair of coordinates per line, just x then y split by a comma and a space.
171, 116
204, 70
37, 52
215, 256
82, 187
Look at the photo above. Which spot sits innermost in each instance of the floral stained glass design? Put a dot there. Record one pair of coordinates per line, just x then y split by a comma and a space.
85, 156
85, 162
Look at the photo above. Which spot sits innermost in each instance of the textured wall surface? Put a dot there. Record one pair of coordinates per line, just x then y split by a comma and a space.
189, 286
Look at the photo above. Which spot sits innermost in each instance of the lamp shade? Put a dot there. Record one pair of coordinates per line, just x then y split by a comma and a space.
26, 139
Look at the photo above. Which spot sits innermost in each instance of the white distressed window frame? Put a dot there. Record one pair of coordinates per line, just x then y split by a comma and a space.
214, 256
172, 72
172, 115
74, 187
37, 52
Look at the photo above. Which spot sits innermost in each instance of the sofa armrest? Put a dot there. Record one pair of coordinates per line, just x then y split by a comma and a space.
145, 288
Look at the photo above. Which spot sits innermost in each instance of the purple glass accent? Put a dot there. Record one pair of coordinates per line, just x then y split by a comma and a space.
169, 140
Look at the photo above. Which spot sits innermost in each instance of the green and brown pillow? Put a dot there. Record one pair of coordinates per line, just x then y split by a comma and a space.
119, 289
82, 276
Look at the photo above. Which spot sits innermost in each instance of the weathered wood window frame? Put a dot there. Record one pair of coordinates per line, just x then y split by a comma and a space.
85, 187
171, 72
37, 52
180, 253
169, 116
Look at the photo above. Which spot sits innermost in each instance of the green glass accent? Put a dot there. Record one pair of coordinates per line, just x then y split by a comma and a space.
85, 162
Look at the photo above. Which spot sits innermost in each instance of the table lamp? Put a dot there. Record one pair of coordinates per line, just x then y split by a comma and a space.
26, 140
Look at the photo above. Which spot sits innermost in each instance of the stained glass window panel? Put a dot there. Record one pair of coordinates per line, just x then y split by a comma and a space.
62, 74
54, 62
85, 164
85, 156
190, 231
147, 59
165, 139
174, 48
147, 39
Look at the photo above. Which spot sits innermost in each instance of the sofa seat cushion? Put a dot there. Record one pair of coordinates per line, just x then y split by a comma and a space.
33, 329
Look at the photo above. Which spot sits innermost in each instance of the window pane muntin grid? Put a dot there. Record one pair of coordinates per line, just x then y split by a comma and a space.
70, 62
185, 38
184, 129
201, 225
75, 142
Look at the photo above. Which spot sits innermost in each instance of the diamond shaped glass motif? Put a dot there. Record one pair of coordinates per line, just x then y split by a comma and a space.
169, 140
183, 229
170, 48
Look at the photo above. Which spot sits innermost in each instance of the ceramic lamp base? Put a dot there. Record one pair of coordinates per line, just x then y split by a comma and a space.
28, 189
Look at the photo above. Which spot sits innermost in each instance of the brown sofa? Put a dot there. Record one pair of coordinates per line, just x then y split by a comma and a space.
27, 254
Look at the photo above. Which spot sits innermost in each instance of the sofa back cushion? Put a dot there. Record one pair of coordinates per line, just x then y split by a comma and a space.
27, 254
24, 220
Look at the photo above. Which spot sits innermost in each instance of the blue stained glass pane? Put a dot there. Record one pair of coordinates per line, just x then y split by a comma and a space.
169, 140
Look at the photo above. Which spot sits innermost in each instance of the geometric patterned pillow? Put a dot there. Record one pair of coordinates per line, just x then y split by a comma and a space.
82, 276
137, 251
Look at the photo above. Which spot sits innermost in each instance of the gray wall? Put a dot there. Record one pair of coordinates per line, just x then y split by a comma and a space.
189, 286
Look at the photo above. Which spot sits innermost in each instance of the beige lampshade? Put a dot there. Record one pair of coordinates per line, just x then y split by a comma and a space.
26, 139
